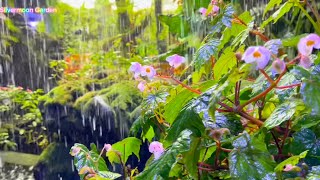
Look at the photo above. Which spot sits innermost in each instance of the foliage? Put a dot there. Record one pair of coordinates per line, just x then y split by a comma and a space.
22, 117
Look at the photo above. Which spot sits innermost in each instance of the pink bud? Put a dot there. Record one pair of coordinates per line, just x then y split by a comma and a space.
107, 147
75, 150
141, 86
278, 66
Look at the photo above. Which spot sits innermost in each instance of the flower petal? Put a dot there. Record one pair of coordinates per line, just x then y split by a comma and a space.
305, 61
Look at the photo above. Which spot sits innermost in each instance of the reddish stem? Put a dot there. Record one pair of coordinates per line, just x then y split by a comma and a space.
181, 83
289, 86
266, 75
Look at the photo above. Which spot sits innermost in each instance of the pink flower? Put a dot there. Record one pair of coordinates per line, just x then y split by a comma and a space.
289, 167
148, 71
305, 61
258, 55
215, 10
278, 66
75, 150
141, 86
306, 44
203, 11
136, 69
107, 147
157, 149
175, 60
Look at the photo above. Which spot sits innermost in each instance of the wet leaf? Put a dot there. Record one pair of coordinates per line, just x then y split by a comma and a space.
187, 119
307, 140
250, 159
205, 52
282, 113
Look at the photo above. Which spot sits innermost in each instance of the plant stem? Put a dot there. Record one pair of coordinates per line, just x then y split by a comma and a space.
266, 75
277, 143
181, 83
315, 25
289, 86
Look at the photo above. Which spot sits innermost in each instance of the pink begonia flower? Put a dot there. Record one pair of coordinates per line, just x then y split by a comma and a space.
305, 61
75, 150
257, 54
157, 149
278, 66
136, 69
306, 44
175, 60
148, 71
141, 86
107, 147
203, 11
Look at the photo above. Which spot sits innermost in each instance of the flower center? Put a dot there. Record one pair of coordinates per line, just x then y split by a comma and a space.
310, 43
257, 54
148, 70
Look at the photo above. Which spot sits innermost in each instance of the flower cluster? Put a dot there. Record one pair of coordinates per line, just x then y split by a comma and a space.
261, 55
157, 149
305, 47
139, 71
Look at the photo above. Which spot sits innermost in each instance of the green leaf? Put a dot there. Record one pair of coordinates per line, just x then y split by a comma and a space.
187, 119
226, 62
250, 159
293, 160
229, 121
281, 114
191, 158
205, 52
150, 134
206, 153
177, 24
171, 109
307, 140
126, 147
306, 121
163, 165
270, 5
314, 174
285, 8
109, 175
292, 41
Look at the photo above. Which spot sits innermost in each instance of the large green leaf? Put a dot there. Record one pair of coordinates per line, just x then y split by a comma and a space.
205, 52
109, 175
162, 166
250, 159
187, 119
281, 114
124, 148
226, 62
307, 140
